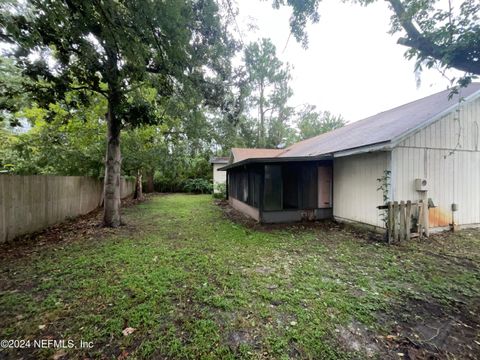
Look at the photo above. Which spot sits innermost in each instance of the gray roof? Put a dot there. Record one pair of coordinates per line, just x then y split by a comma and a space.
383, 127
219, 160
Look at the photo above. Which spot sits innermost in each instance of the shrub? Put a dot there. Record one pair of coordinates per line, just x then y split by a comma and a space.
198, 186
221, 191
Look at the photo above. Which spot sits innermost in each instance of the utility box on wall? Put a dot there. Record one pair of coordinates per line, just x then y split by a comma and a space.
421, 184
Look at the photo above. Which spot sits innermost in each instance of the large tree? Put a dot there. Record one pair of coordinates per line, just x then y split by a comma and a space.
60, 140
268, 85
112, 47
311, 122
437, 33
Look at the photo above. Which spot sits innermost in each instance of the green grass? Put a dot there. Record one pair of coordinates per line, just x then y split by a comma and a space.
196, 285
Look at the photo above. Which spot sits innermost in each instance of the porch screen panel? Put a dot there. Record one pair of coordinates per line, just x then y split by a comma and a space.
231, 184
243, 189
273, 187
257, 178
235, 185
309, 187
290, 186
253, 188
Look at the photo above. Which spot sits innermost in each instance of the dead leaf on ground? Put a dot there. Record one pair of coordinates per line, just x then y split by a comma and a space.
127, 331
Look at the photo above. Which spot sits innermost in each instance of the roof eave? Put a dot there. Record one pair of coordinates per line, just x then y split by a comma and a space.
380, 146
270, 160
398, 139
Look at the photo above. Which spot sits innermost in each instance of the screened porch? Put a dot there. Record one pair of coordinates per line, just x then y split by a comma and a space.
288, 191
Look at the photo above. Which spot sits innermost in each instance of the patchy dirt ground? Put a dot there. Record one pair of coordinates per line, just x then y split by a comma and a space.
186, 278
86, 227
418, 328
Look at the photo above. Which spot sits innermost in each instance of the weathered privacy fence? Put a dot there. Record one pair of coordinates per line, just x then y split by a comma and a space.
31, 203
405, 220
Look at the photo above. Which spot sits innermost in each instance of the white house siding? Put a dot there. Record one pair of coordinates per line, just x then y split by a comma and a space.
219, 177
446, 153
355, 194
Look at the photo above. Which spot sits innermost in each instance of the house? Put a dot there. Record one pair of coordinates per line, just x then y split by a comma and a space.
236, 155
428, 149
219, 177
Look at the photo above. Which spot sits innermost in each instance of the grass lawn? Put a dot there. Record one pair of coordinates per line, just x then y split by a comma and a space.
193, 284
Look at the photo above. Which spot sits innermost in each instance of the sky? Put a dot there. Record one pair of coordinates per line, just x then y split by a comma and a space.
352, 66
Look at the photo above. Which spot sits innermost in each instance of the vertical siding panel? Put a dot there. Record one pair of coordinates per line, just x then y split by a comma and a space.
355, 187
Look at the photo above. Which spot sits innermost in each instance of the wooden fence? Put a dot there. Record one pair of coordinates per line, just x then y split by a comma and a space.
31, 203
405, 220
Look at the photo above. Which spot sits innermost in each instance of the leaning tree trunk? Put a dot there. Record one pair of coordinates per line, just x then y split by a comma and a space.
262, 117
111, 208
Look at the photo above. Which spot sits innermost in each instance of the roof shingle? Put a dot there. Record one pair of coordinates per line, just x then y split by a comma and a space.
240, 154
381, 127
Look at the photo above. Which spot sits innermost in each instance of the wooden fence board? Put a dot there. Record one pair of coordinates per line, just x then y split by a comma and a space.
31, 203
399, 220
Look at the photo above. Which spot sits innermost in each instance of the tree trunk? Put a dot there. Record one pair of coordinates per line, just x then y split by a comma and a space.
262, 116
138, 186
150, 183
111, 208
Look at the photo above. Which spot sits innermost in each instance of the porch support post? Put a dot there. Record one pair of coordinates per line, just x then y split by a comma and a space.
226, 184
262, 195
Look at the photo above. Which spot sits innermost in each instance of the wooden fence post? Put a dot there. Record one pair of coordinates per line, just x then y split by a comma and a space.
390, 222
425, 219
420, 218
402, 221
408, 220
396, 233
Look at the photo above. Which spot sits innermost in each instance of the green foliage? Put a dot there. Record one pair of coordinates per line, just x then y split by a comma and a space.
243, 133
12, 96
312, 122
61, 141
220, 191
198, 186
269, 92
268, 120
96, 48
384, 187
120, 50
436, 35
177, 167
68, 141
194, 285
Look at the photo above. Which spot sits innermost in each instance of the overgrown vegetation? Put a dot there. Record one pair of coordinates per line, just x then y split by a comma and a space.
220, 191
233, 291
198, 186
384, 188
170, 115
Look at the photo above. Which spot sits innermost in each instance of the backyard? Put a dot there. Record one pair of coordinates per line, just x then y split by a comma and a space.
184, 278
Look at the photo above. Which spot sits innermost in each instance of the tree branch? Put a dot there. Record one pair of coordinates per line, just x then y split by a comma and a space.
419, 42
